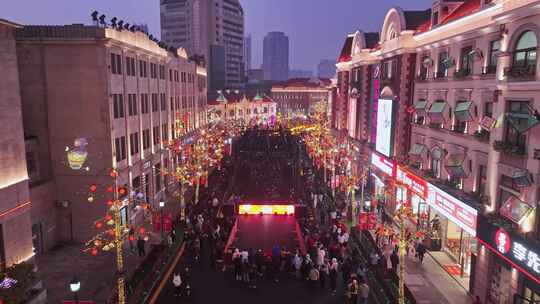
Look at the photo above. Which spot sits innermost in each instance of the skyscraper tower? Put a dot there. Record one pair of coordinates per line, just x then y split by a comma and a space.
213, 29
276, 56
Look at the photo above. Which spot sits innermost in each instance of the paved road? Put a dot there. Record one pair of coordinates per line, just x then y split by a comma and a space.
210, 287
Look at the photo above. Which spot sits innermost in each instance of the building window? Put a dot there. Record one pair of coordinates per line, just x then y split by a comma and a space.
435, 18
170, 75
512, 135
118, 105
153, 70
116, 64
146, 139
133, 143
162, 72
525, 51
132, 104
494, 50
164, 132
436, 156
163, 102
155, 104
442, 66
144, 103
130, 66
466, 62
142, 69
120, 148
157, 177
155, 133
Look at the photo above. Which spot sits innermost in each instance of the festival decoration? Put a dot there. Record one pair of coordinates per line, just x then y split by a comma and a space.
78, 154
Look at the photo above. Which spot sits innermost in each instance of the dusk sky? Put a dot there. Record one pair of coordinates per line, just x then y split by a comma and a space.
316, 28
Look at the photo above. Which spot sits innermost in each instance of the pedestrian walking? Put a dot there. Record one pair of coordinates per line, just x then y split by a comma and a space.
363, 290
324, 272
140, 246
297, 264
420, 252
333, 275
394, 259
177, 283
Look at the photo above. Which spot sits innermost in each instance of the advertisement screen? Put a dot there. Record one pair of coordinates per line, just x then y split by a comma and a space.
383, 141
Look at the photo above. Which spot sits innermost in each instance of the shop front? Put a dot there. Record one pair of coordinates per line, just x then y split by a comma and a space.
383, 169
515, 265
451, 234
414, 189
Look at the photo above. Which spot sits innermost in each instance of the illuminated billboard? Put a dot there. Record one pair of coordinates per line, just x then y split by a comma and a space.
385, 121
266, 209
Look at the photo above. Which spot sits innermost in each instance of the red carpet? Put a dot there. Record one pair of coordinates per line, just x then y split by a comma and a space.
453, 269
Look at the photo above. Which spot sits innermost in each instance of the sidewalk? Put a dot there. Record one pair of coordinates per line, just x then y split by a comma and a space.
97, 274
429, 283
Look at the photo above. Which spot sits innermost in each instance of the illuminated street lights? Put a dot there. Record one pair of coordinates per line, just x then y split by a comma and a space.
75, 286
161, 206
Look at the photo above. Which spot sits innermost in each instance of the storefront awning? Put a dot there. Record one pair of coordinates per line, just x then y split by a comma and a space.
420, 107
454, 165
522, 122
515, 209
522, 178
463, 111
436, 110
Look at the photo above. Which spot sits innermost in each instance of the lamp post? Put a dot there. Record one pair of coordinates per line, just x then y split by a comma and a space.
75, 286
161, 206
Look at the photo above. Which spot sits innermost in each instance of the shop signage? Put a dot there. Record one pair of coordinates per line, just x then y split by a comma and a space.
414, 183
455, 210
384, 164
520, 253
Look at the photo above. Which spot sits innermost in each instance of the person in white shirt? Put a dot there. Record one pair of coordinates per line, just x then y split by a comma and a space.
177, 283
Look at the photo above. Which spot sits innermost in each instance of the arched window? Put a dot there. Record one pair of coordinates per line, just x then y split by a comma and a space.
392, 33
436, 156
525, 50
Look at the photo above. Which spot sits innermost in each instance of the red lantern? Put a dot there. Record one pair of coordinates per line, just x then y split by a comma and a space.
108, 217
94, 251
113, 174
110, 203
142, 230
99, 225
122, 190
93, 188
111, 232
131, 237
110, 189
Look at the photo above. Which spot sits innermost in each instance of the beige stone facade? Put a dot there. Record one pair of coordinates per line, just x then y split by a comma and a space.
122, 94
15, 223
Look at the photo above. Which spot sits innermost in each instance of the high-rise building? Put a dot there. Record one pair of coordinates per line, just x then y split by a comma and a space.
276, 56
326, 68
247, 53
213, 29
300, 74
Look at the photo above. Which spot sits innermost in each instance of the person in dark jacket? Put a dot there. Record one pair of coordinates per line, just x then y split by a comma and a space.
394, 259
140, 246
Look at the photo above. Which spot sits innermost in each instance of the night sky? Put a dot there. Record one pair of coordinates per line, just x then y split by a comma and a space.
316, 28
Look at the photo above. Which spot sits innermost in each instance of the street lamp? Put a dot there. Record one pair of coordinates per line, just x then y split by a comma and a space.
75, 286
161, 205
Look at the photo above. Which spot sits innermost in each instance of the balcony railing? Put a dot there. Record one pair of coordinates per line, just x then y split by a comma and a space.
422, 77
490, 69
482, 135
441, 75
508, 148
521, 72
462, 74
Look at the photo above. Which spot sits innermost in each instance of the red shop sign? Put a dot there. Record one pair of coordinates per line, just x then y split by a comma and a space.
452, 208
414, 183
384, 164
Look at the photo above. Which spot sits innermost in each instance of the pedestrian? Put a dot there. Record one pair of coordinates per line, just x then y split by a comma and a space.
420, 251
140, 246
394, 259
177, 283
131, 237
374, 259
237, 262
352, 292
324, 273
333, 275
363, 290
313, 277
297, 264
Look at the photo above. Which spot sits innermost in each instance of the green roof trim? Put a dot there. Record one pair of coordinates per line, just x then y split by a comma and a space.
420, 105
437, 107
462, 111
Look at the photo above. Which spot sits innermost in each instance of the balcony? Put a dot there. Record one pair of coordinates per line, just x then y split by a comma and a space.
509, 148
462, 74
482, 135
489, 70
520, 73
422, 77
441, 75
